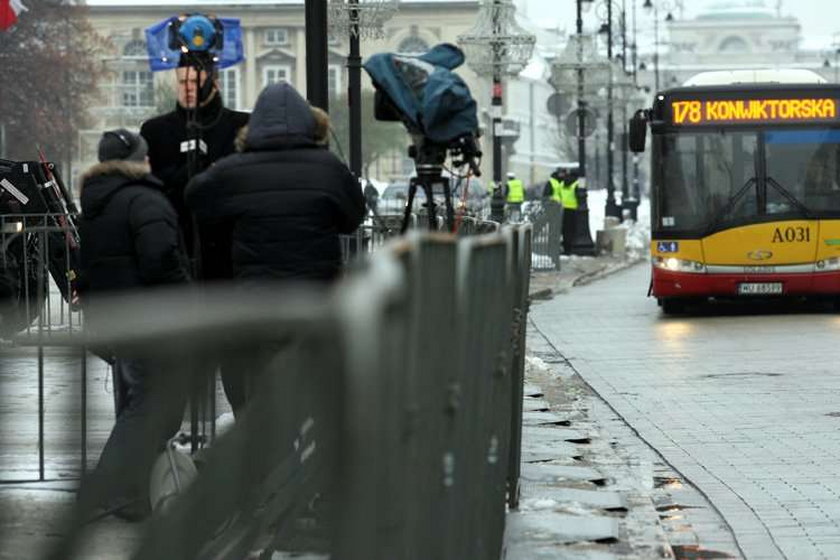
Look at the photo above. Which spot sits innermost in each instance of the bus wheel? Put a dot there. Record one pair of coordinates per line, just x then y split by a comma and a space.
672, 306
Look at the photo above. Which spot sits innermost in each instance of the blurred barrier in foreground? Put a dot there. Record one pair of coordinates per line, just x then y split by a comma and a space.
385, 415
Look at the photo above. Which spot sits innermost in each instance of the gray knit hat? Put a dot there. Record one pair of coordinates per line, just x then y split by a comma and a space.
122, 144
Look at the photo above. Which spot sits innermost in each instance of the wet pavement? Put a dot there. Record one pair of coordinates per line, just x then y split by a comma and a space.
738, 401
591, 488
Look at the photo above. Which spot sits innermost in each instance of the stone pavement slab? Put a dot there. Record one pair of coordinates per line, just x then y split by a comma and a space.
657, 512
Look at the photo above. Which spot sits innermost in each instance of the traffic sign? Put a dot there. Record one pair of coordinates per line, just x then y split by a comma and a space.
557, 104
589, 120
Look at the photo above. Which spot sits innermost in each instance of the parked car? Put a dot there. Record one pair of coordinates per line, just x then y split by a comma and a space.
393, 199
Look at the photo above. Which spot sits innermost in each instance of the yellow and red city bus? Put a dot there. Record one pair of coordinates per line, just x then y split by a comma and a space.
745, 190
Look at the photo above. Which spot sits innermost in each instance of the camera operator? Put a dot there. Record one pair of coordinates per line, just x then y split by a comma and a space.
286, 198
172, 142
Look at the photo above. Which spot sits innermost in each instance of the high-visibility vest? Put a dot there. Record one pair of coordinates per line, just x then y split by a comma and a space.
556, 189
516, 191
568, 195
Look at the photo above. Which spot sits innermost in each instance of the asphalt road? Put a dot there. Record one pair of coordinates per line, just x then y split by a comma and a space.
742, 400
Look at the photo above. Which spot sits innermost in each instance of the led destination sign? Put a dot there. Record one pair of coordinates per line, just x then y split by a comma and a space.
733, 111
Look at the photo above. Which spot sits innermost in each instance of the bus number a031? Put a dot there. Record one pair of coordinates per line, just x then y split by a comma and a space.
798, 234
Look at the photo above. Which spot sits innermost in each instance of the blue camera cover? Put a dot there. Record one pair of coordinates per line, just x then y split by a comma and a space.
432, 98
163, 57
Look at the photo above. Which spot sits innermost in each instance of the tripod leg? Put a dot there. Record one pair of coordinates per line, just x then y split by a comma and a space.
450, 211
430, 205
412, 189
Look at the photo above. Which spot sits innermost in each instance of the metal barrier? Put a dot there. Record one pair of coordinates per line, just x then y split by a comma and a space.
373, 234
387, 420
546, 219
37, 263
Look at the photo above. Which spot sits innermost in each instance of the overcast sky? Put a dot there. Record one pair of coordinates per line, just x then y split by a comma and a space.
817, 17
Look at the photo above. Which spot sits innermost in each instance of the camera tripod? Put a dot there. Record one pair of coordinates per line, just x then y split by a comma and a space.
429, 177
428, 160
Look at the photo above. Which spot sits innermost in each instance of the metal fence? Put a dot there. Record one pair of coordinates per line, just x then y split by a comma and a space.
546, 219
387, 420
386, 423
37, 274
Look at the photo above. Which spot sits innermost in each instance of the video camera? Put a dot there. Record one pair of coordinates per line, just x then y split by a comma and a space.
437, 109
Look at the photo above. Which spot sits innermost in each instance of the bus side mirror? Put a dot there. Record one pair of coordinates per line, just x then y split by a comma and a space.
638, 132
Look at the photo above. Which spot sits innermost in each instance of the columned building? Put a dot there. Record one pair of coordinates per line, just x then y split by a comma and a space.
730, 35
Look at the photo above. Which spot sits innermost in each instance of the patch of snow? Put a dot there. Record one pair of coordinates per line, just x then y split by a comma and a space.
538, 504
533, 363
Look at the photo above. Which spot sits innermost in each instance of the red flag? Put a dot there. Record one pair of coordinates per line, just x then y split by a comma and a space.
9, 11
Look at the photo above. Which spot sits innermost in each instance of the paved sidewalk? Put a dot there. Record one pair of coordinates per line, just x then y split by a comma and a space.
591, 488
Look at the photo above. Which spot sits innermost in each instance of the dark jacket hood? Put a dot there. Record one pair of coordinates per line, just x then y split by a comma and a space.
103, 180
281, 119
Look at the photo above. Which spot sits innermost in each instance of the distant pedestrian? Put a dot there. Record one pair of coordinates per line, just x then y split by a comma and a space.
562, 189
553, 205
371, 197
130, 242
514, 196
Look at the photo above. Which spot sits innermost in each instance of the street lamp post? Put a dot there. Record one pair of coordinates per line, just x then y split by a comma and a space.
580, 59
611, 208
317, 91
666, 6
358, 18
497, 46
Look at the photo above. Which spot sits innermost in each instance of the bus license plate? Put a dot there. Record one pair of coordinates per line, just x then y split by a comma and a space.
759, 288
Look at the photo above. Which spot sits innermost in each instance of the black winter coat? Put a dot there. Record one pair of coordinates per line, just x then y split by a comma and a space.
285, 197
167, 137
128, 233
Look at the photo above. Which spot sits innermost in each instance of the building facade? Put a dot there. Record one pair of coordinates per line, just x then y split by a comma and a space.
274, 45
732, 35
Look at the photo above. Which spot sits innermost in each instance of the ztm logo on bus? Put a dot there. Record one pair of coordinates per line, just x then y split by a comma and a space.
752, 110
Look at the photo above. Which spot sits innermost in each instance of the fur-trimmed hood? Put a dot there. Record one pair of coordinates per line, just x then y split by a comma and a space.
103, 180
127, 169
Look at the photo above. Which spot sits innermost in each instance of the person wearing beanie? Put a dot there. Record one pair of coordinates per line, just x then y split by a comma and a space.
286, 199
171, 144
130, 242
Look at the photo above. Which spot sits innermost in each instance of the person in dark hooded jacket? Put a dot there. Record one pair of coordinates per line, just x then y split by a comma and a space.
129, 230
129, 241
286, 197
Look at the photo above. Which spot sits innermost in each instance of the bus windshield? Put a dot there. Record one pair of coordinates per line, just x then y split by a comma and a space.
707, 180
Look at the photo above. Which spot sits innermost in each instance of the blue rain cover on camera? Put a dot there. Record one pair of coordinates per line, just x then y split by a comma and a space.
162, 57
432, 99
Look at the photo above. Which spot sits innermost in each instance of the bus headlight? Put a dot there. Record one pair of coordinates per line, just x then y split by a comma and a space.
828, 264
679, 265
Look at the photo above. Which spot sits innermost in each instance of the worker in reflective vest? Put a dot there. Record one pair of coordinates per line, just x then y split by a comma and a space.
569, 199
553, 206
515, 197
568, 193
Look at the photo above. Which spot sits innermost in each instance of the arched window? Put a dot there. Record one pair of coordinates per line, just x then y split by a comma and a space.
137, 83
412, 45
734, 45
135, 49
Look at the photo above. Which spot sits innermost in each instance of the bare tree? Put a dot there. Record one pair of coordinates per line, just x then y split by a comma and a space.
50, 68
